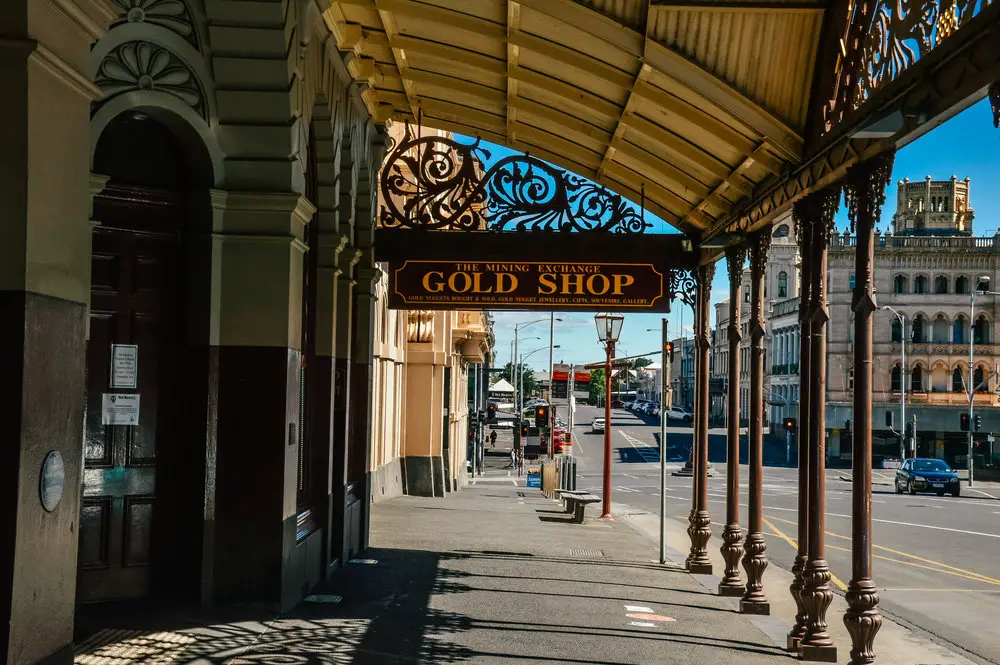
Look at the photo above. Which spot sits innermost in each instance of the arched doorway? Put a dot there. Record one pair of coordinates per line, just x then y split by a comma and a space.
143, 492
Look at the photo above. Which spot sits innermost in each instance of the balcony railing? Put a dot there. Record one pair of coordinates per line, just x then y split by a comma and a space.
781, 370
946, 348
783, 307
982, 243
946, 398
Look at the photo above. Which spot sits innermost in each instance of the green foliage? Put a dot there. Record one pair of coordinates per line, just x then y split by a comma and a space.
530, 385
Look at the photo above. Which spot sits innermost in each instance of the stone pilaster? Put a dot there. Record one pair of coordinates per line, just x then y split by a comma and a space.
45, 256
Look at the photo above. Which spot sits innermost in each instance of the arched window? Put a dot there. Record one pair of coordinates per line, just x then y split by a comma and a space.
978, 380
940, 284
853, 282
939, 332
897, 378
961, 284
920, 284
782, 284
919, 334
981, 331
897, 330
781, 231
917, 379
958, 330
899, 284
945, 201
957, 385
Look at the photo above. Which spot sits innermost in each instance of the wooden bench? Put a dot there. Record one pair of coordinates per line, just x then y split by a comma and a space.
578, 504
566, 494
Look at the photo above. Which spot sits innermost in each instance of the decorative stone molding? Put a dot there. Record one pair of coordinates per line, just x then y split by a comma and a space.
137, 65
172, 15
420, 326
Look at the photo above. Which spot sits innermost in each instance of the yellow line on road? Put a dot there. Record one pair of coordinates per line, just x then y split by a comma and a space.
833, 578
950, 570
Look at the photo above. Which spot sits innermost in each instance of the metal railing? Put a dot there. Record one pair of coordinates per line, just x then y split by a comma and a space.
780, 370
789, 306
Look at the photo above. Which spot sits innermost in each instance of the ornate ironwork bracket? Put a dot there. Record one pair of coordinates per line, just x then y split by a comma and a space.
437, 182
683, 285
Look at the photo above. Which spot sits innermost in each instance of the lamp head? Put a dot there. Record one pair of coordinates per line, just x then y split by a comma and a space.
983, 284
609, 326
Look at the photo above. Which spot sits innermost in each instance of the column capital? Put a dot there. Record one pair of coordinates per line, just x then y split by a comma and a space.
262, 214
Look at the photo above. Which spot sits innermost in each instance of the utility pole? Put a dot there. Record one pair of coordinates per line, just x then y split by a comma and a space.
664, 372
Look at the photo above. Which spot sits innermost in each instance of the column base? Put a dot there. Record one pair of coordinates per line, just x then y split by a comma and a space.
758, 609
699, 568
731, 590
824, 654
792, 643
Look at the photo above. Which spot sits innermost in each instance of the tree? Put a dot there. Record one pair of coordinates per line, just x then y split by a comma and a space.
530, 385
639, 363
596, 396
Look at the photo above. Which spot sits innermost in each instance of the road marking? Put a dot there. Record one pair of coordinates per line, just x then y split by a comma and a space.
629, 476
945, 590
833, 578
959, 572
638, 608
970, 489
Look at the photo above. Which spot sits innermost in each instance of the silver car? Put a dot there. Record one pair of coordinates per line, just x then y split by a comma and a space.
597, 425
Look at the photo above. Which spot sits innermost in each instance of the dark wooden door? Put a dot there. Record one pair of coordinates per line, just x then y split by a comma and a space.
134, 300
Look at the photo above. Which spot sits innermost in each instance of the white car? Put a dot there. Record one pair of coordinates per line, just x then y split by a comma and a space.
678, 414
597, 425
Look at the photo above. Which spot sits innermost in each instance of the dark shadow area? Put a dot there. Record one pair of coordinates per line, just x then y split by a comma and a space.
560, 520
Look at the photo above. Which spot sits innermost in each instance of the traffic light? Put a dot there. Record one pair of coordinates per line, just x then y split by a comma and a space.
789, 424
964, 422
669, 348
978, 421
491, 411
542, 415
524, 429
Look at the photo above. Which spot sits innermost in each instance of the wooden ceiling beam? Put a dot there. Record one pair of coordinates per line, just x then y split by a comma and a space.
804, 7
513, 53
589, 100
723, 96
572, 58
477, 90
716, 199
561, 119
449, 53
677, 146
444, 17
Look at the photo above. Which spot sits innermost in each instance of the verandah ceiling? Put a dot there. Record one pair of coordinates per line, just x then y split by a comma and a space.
700, 102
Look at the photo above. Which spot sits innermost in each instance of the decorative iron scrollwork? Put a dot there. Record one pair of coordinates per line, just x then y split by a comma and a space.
436, 182
884, 42
683, 285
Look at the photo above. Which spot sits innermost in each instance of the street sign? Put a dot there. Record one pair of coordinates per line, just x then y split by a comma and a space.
527, 285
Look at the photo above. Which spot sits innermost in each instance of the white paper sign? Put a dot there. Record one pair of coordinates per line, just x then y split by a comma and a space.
124, 365
119, 409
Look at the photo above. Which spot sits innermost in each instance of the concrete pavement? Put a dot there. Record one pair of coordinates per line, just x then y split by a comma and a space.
934, 557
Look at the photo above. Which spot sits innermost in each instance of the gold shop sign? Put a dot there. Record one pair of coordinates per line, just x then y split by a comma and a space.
548, 285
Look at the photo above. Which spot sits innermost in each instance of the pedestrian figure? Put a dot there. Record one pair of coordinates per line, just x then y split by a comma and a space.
493, 439
513, 458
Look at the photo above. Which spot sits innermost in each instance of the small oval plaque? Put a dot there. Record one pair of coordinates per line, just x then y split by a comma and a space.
52, 481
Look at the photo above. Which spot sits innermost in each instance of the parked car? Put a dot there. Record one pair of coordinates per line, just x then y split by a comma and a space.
597, 425
679, 414
921, 474
617, 404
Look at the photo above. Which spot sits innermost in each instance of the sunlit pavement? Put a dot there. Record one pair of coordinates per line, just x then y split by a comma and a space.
934, 557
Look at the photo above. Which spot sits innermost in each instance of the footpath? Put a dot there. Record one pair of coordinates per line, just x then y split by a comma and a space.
497, 574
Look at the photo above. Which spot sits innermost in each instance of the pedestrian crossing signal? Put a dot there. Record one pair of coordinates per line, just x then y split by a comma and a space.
524, 429
491, 411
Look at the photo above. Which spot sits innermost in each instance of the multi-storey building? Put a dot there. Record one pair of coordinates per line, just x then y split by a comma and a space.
926, 270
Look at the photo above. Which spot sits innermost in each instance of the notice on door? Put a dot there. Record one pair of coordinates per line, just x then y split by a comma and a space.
119, 409
124, 365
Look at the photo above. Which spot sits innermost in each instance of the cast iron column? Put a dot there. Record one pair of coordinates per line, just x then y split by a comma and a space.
732, 537
754, 560
803, 232
700, 528
816, 592
865, 194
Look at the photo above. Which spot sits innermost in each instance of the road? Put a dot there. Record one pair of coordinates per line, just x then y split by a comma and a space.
936, 560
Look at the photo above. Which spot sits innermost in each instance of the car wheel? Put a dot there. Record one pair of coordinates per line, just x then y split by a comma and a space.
899, 490
956, 492
910, 488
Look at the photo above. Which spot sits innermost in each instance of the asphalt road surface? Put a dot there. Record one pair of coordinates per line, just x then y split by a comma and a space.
936, 560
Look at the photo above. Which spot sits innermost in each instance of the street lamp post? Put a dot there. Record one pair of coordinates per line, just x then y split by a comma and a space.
903, 443
609, 328
983, 289
520, 406
664, 351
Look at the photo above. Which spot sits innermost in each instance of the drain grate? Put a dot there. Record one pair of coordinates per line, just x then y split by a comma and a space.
586, 554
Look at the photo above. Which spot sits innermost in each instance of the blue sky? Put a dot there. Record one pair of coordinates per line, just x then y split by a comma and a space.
967, 145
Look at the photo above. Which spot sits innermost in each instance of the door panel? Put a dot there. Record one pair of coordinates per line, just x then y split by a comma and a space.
133, 301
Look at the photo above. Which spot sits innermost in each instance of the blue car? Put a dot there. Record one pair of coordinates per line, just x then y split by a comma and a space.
922, 474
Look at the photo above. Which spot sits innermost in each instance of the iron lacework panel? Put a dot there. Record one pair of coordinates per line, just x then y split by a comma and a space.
439, 183
884, 38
